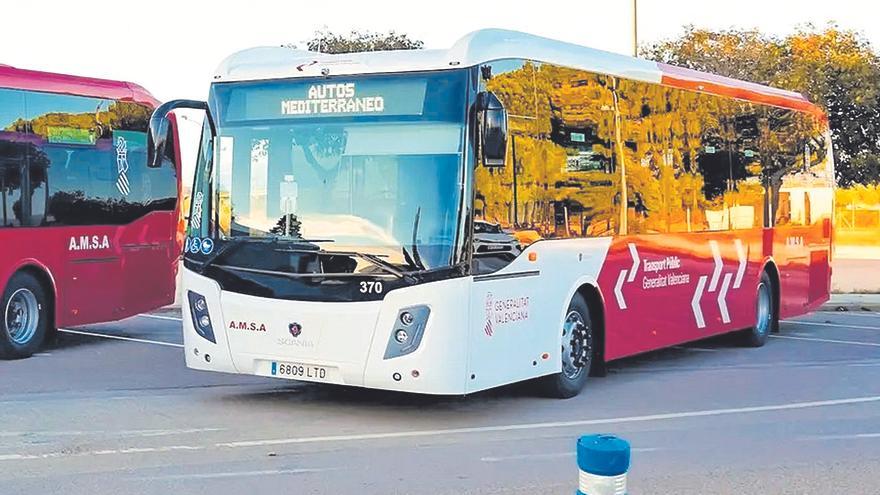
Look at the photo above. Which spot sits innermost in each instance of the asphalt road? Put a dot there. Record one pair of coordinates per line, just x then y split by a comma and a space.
94, 415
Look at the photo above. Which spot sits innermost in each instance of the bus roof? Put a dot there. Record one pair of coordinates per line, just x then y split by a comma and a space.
32, 80
488, 45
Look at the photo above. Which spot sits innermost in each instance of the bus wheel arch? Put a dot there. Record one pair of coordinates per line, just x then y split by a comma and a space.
580, 345
29, 288
596, 303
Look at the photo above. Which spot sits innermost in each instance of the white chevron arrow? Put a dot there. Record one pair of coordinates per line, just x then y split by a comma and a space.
742, 264
722, 298
635, 267
618, 294
695, 302
716, 254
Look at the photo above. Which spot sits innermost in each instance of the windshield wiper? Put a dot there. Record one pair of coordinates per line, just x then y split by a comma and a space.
280, 273
414, 259
375, 259
236, 242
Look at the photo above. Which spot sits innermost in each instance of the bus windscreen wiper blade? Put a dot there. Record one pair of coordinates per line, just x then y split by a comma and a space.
372, 258
238, 241
415, 259
220, 251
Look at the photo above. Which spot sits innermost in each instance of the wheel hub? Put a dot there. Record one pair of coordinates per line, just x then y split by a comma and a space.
22, 316
577, 345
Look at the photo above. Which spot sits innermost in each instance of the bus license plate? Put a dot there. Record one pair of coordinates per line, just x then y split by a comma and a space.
300, 371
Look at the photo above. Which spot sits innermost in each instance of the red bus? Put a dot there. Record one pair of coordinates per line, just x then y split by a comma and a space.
87, 228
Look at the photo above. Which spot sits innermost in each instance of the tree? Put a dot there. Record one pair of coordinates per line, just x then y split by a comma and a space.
836, 69
361, 41
742, 54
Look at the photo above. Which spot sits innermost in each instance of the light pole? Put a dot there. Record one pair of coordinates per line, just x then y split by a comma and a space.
635, 27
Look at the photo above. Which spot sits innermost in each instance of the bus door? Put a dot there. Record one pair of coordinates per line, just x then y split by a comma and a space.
149, 243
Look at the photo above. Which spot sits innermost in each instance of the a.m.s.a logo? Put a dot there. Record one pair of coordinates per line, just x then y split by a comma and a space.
88, 242
794, 240
250, 326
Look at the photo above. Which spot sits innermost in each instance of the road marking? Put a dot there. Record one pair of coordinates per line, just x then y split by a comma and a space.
160, 317
719, 264
238, 474
828, 341
555, 455
741, 270
722, 298
125, 433
695, 302
454, 431
42, 354
853, 436
119, 337
133, 450
835, 325
744, 367
851, 313
557, 424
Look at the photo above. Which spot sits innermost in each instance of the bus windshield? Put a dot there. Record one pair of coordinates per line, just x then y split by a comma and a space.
365, 166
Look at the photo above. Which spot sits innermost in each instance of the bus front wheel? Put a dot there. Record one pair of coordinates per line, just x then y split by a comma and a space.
25, 317
765, 314
577, 347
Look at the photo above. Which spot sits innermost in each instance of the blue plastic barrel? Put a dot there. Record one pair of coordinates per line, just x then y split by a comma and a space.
603, 461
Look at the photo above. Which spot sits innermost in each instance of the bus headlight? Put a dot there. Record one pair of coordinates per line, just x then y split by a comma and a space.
406, 335
407, 318
198, 309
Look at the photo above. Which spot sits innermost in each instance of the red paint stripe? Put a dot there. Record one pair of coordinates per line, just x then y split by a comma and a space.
679, 77
33, 80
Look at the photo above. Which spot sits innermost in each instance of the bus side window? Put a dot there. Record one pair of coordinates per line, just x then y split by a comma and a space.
13, 151
149, 189
72, 136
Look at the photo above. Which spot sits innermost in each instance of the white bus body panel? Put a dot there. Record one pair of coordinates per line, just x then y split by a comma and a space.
348, 338
516, 323
482, 332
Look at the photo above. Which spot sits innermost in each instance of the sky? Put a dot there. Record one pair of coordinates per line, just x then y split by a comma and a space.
173, 47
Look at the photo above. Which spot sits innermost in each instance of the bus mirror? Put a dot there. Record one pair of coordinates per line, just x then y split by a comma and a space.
493, 129
158, 135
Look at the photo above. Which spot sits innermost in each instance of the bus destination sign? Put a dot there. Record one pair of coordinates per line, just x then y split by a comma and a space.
333, 99
296, 100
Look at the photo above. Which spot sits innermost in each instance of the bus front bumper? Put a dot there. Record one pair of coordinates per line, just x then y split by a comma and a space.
350, 343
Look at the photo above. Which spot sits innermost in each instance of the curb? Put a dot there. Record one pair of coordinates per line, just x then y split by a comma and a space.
850, 307
852, 303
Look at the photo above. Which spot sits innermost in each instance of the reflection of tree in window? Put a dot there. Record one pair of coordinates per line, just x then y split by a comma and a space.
13, 180
288, 225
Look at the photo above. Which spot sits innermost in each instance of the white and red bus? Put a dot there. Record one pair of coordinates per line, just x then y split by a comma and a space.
88, 232
513, 208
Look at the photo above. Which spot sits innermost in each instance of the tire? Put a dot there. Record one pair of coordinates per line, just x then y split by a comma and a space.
25, 317
578, 353
765, 314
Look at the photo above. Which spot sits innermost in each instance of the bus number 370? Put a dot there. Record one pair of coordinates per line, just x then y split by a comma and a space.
371, 287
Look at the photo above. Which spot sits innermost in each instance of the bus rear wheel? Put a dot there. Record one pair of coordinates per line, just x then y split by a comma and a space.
765, 314
577, 352
25, 317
